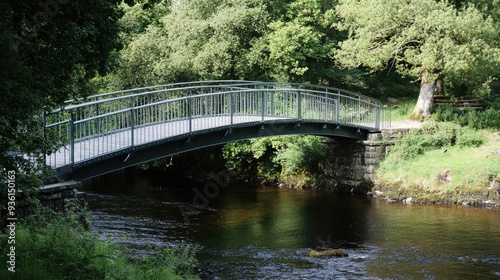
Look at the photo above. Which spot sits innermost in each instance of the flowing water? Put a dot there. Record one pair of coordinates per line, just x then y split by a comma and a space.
257, 232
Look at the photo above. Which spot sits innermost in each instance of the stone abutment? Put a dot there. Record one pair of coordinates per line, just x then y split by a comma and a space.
351, 165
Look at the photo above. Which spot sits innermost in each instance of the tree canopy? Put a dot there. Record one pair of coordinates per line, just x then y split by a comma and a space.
424, 39
49, 52
252, 39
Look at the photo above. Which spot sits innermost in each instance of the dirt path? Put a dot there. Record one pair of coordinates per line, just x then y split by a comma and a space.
405, 124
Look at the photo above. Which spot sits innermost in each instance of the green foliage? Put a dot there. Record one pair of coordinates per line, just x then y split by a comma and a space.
300, 43
433, 135
55, 246
275, 156
487, 119
424, 39
301, 154
196, 40
48, 55
253, 40
468, 137
138, 17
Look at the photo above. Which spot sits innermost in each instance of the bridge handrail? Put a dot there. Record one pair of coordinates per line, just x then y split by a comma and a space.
302, 91
244, 91
208, 85
187, 97
100, 101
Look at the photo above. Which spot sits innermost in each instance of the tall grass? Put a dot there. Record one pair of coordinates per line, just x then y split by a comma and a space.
56, 246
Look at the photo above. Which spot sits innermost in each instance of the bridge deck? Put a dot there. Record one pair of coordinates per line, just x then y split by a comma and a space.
88, 149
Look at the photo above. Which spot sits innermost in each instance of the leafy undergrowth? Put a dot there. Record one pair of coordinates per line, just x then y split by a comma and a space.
449, 164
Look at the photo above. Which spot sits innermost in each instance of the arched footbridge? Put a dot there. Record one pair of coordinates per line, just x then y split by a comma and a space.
112, 131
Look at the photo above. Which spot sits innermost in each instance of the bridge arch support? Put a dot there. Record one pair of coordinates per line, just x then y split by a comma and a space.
116, 130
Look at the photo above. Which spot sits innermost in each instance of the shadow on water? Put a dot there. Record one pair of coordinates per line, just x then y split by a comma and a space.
256, 232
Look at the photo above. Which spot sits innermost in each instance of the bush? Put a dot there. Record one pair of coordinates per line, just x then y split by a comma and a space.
487, 119
439, 134
301, 154
275, 156
467, 137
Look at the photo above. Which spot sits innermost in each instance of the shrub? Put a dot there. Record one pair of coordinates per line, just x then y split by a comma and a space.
467, 137
444, 113
439, 134
487, 119
273, 156
301, 154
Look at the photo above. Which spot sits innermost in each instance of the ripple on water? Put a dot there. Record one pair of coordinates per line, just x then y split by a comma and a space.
262, 263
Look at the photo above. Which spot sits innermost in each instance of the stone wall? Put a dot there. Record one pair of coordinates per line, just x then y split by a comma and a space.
58, 197
352, 164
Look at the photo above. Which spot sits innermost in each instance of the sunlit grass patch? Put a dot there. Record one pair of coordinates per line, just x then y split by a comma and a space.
402, 109
438, 173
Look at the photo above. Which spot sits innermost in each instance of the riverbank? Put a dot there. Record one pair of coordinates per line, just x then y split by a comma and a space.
450, 174
433, 163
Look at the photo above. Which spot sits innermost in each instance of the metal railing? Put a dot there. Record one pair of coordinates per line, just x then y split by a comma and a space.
122, 120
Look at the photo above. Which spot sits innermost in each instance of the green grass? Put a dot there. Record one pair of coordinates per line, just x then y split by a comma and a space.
471, 170
402, 110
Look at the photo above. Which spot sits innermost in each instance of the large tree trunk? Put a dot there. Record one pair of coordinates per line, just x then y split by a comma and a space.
425, 101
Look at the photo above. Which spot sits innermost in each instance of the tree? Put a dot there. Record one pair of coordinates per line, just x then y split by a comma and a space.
298, 44
49, 51
197, 40
426, 39
251, 39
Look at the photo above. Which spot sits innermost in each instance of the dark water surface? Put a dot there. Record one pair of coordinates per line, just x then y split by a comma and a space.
256, 232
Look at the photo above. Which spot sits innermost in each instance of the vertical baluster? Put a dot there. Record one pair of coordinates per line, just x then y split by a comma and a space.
72, 138
190, 114
272, 103
337, 109
377, 116
299, 105
230, 108
359, 109
264, 104
132, 121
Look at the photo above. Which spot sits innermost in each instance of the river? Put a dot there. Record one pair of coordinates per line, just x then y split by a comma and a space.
258, 232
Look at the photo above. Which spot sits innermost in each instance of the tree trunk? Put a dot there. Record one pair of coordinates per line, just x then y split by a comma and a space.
425, 101
439, 87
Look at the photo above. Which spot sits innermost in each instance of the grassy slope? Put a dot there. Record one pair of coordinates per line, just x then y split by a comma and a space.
471, 171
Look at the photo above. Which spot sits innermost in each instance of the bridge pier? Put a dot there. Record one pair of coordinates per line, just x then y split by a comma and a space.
352, 163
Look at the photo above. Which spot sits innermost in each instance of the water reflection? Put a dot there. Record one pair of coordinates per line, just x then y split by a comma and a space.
250, 232
451, 242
